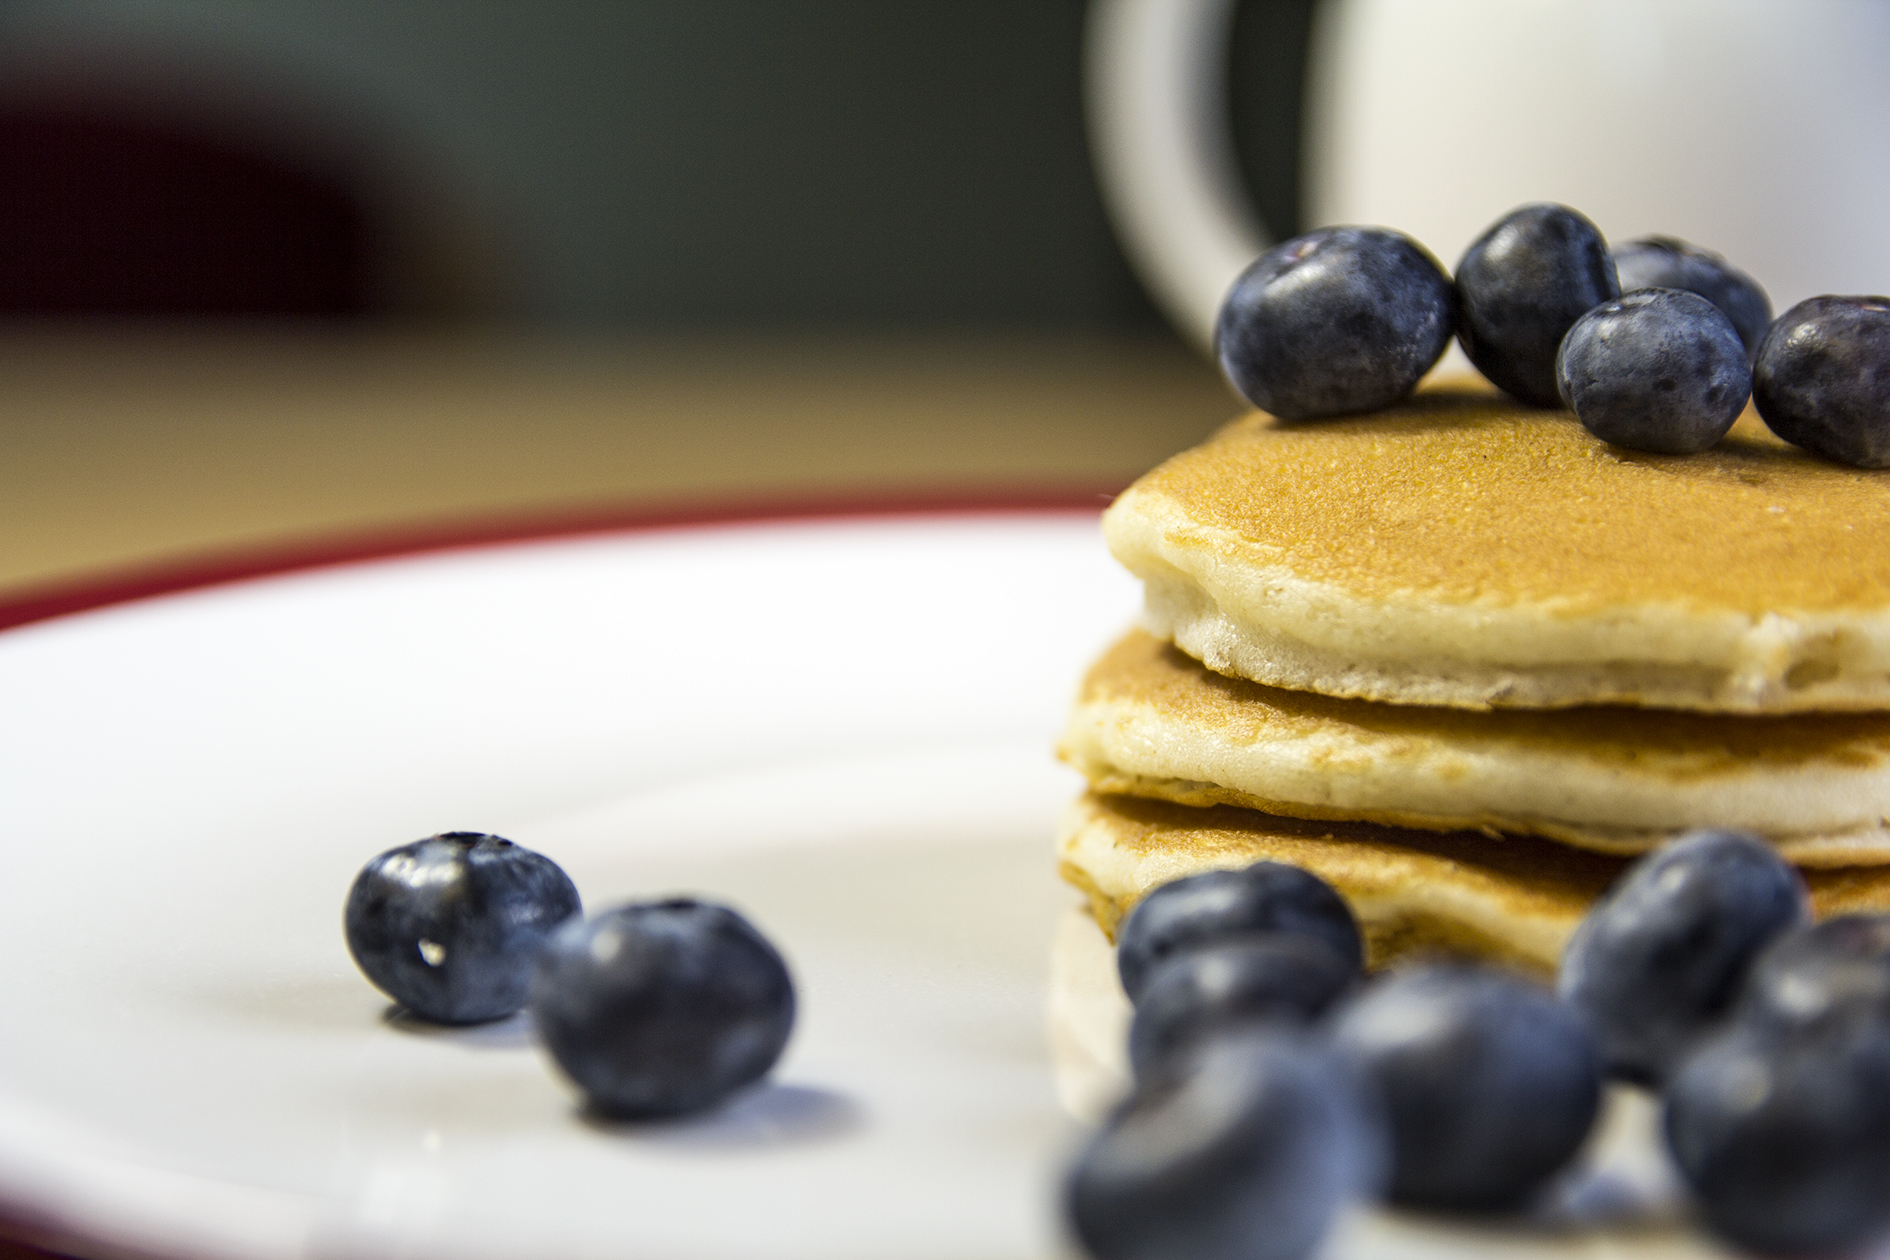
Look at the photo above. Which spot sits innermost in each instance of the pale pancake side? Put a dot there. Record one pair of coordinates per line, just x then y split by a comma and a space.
1151, 721
1463, 550
1513, 900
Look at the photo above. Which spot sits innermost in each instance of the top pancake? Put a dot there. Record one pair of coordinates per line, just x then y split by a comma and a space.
1464, 550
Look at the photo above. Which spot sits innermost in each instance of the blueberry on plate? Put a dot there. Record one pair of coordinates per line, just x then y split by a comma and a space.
1521, 286
1200, 909
447, 926
1664, 262
1822, 379
1661, 957
1655, 370
662, 1008
1339, 320
1279, 977
1245, 1148
1785, 1138
1489, 1085
1835, 970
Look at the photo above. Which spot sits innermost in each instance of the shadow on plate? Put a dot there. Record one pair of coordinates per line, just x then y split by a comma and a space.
514, 1032
767, 1117
350, 1005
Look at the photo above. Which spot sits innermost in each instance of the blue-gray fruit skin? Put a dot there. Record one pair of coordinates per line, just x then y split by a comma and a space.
447, 926
1657, 370
1665, 262
1813, 976
1282, 978
662, 1008
1203, 909
1340, 320
1822, 379
1663, 955
1521, 286
1247, 1148
1489, 1085
1784, 1138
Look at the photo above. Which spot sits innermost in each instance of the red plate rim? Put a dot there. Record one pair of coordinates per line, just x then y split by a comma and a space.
62, 597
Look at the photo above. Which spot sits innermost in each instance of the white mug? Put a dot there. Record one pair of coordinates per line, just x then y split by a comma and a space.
1757, 128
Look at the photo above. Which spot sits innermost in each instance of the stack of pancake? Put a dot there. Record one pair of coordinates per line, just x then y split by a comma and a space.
1463, 661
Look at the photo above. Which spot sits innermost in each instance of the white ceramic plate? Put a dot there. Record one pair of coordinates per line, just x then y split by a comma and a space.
844, 728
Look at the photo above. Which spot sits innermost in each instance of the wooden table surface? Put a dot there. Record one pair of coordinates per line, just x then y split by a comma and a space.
134, 447
124, 450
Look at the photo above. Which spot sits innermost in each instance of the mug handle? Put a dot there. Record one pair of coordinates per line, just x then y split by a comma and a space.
1155, 87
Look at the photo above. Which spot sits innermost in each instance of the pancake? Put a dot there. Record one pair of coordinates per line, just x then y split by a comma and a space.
1463, 550
1150, 720
1513, 901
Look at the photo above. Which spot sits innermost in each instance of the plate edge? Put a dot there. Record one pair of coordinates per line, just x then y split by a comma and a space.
61, 597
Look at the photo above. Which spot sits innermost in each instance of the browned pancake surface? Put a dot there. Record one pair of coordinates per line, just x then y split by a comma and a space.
1464, 496
1536, 876
1514, 900
1142, 670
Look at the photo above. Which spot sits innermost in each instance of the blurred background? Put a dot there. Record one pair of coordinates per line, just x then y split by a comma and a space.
268, 270
570, 164
271, 272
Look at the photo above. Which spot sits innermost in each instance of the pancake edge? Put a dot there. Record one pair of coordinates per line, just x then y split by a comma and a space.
1409, 904
1406, 902
1814, 816
1222, 599
1844, 849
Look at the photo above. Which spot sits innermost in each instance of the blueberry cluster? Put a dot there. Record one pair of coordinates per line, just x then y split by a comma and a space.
1274, 1085
1769, 1038
652, 1009
1656, 345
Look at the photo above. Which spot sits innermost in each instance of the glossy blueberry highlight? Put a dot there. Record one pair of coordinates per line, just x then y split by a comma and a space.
662, 1008
1340, 320
1821, 974
1662, 956
1665, 262
1822, 379
1521, 286
1286, 979
1207, 908
1785, 1139
1246, 1150
1655, 370
447, 926
1489, 1084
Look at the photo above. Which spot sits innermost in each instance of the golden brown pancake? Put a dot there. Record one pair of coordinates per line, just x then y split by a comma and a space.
1463, 550
1513, 900
1150, 720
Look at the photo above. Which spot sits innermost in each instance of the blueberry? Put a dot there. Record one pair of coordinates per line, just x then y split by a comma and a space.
1785, 1139
1340, 320
1662, 262
1521, 287
1655, 370
1287, 978
1835, 970
1198, 909
1245, 1149
1663, 954
447, 926
662, 1008
1822, 379
1489, 1084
